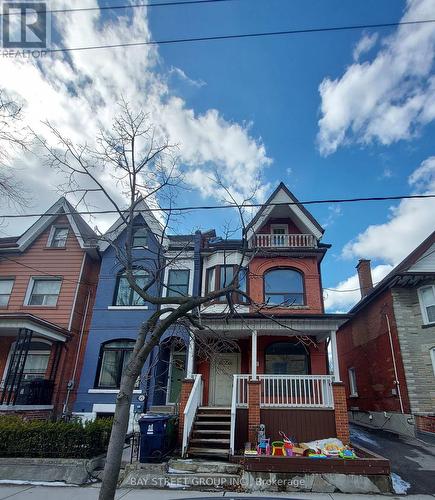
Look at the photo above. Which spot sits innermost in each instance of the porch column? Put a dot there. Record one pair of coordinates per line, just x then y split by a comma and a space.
254, 355
190, 356
334, 351
254, 388
340, 412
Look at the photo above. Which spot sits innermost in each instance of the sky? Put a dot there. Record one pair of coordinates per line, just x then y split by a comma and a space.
332, 115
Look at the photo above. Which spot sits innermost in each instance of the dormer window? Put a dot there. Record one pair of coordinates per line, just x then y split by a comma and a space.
140, 237
283, 288
58, 237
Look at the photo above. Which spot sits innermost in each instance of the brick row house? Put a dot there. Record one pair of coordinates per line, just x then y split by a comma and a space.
47, 287
271, 365
387, 348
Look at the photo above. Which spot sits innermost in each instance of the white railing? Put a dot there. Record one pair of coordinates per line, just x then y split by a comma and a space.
284, 240
294, 391
192, 404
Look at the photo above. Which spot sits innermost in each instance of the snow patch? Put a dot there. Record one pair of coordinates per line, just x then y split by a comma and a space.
362, 436
400, 486
36, 483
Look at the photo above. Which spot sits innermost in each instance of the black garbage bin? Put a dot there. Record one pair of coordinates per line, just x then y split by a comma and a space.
157, 436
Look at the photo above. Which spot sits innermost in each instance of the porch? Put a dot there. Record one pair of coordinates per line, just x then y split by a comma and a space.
280, 377
30, 351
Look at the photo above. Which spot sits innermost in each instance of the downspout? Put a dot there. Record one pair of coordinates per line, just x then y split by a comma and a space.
394, 364
71, 383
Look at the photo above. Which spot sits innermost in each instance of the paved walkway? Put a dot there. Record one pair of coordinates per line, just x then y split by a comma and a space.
28, 492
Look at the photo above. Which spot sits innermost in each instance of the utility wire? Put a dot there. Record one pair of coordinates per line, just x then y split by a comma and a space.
242, 35
118, 7
220, 207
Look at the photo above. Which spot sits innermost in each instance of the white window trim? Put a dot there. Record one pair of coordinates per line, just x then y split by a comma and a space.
51, 235
132, 238
5, 278
422, 306
32, 283
127, 308
279, 226
189, 290
432, 357
353, 389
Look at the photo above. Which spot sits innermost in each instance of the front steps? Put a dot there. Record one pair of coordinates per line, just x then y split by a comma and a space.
210, 435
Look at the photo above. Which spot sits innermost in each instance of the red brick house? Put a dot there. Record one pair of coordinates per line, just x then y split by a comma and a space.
387, 348
47, 281
269, 360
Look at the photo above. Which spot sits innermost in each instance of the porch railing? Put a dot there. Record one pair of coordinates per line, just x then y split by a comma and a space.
294, 391
267, 240
192, 405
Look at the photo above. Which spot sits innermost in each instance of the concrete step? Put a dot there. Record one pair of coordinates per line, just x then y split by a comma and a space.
210, 441
203, 465
213, 408
219, 416
220, 432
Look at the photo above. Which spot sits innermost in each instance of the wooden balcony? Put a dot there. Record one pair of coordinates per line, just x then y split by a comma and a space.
267, 240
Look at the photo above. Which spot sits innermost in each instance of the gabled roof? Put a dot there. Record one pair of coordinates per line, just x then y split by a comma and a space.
151, 221
402, 269
283, 195
84, 234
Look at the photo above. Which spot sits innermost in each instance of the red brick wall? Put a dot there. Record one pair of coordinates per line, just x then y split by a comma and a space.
363, 343
186, 388
425, 423
308, 266
340, 412
254, 388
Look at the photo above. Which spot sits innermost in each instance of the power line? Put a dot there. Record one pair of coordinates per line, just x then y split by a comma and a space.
242, 35
226, 206
118, 7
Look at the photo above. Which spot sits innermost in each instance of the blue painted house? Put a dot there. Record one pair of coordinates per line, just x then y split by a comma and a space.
118, 313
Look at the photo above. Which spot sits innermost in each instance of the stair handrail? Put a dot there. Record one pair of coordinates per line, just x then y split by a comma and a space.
233, 414
189, 413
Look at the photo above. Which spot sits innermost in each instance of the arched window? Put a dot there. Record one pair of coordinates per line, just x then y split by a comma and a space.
114, 358
286, 358
284, 287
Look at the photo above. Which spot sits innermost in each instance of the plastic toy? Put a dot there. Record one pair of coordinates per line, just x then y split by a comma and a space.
347, 454
278, 448
316, 455
288, 445
263, 447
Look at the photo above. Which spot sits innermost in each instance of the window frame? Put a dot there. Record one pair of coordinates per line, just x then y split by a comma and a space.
121, 363
6, 278
293, 346
432, 358
216, 270
119, 276
32, 282
424, 307
168, 289
51, 237
303, 293
135, 230
353, 386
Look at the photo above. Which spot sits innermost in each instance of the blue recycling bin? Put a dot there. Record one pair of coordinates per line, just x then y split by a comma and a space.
157, 436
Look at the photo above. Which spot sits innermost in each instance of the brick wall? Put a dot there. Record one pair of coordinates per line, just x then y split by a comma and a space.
363, 344
425, 423
186, 388
254, 388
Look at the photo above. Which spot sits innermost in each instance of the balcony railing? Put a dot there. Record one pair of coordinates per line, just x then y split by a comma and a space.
284, 241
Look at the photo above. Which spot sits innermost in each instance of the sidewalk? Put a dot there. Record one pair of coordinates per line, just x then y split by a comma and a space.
30, 492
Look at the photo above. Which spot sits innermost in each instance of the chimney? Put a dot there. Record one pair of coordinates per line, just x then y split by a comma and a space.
365, 277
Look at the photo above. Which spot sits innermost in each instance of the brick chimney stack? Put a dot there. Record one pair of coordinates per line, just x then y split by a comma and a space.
365, 277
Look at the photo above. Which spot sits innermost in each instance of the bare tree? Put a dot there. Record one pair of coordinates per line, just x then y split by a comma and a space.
12, 137
134, 158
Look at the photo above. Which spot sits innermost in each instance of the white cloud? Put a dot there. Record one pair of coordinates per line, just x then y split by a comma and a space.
77, 93
389, 98
366, 43
409, 223
344, 295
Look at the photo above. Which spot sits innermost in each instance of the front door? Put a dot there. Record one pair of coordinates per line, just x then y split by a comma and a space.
222, 369
177, 372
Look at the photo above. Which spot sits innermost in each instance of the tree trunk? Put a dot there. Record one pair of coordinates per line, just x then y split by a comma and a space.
117, 438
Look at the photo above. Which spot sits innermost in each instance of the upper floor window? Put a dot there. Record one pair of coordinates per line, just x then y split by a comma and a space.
125, 295
6, 286
222, 276
43, 291
284, 287
114, 358
58, 237
140, 237
427, 302
352, 382
178, 283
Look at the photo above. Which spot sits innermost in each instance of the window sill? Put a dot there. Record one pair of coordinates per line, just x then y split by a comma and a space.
55, 248
110, 391
28, 306
127, 308
428, 325
354, 395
